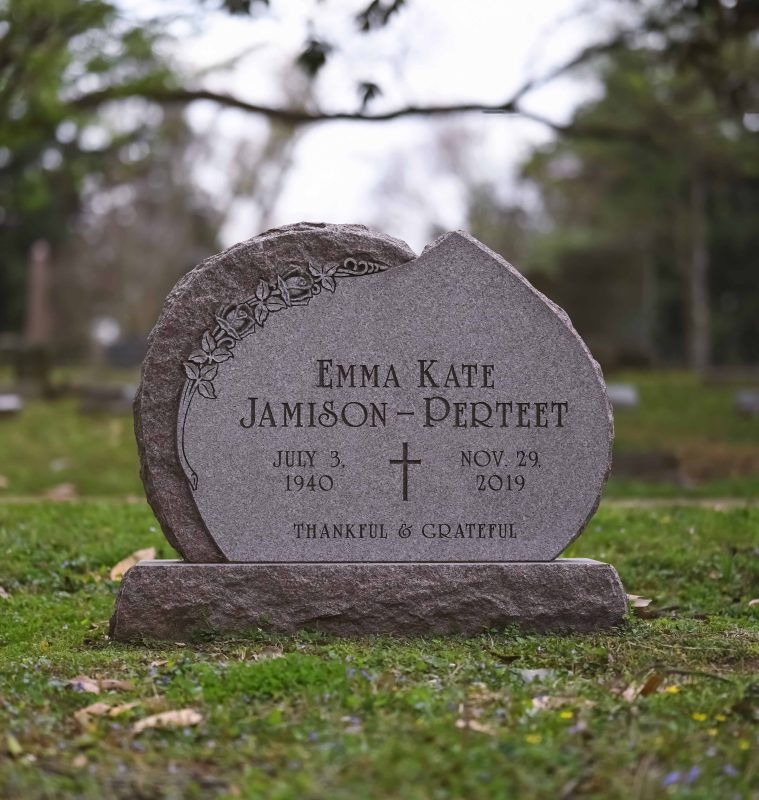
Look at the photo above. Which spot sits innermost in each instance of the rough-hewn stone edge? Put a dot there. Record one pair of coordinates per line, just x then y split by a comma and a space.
567, 322
173, 600
221, 279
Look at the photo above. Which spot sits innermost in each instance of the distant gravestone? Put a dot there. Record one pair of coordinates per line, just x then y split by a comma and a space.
127, 352
106, 399
33, 365
623, 396
747, 402
337, 435
10, 404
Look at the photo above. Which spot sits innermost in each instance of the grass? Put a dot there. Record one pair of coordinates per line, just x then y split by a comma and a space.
718, 450
50, 444
665, 706
500, 715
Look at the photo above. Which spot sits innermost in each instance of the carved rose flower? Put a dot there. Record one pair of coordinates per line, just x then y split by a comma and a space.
297, 288
234, 320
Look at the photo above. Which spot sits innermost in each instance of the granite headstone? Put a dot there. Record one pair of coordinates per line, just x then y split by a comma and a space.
336, 434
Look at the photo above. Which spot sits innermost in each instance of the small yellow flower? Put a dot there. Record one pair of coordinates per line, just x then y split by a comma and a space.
712, 731
533, 738
566, 714
698, 716
672, 689
720, 717
744, 744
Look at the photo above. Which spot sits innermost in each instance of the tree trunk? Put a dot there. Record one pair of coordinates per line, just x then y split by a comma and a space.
698, 327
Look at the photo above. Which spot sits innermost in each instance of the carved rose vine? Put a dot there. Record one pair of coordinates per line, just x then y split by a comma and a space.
236, 321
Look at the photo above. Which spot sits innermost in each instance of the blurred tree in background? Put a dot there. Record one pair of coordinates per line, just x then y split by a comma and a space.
644, 222
59, 155
650, 191
144, 223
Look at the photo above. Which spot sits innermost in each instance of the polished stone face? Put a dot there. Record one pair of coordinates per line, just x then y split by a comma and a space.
441, 410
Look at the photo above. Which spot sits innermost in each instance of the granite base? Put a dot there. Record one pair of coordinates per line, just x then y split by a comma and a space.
176, 601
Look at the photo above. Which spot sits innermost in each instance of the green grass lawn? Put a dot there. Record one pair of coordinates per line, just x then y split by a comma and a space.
500, 715
666, 706
718, 450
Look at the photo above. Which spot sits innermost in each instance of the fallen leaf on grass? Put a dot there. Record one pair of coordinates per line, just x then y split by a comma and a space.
530, 675
631, 692
474, 725
84, 715
12, 746
127, 563
184, 718
62, 492
635, 690
115, 685
83, 683
268, 653
653, 682
544, 702
754, 602
638, 603
480, 693
4, 594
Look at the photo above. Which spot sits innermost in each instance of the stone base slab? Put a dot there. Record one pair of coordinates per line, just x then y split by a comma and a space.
175, 600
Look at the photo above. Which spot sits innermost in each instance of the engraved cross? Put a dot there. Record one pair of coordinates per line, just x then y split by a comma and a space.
405, 461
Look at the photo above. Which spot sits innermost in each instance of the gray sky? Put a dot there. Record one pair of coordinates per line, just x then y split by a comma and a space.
434, 51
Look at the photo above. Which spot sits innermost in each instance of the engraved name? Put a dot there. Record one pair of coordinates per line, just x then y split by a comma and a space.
430, 411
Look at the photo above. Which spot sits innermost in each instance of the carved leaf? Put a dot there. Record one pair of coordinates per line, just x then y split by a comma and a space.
226, 326
261, 313
221, 354
328, 283
209, 372
262, 290
207, 390
209, 343
331, 270
315, 271
275, 303
191, 371
198, 357
283, 290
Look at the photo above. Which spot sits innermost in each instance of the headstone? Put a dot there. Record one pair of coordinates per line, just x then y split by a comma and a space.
10, 404
106, 399
623, 396
33, 367
747, 402
656, 466
338, 435
38, 324
127, 352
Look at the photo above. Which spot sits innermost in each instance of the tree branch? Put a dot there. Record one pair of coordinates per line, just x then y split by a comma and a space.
296, 116
292, 116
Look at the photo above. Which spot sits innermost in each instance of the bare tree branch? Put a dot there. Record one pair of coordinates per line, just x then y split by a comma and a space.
299, 116
294, 116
